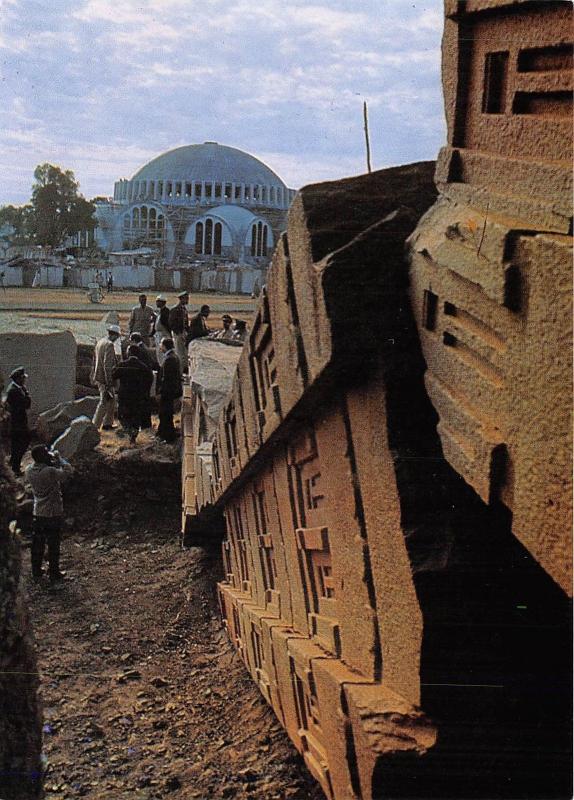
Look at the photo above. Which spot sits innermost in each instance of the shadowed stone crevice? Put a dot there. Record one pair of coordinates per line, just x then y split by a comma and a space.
21, 769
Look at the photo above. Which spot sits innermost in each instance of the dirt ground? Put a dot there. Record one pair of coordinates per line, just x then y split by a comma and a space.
143, 695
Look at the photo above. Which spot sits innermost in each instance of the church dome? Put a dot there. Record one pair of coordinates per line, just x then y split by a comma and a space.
208, 162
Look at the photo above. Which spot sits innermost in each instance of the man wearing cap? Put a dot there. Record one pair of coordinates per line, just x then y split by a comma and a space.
226, 333
161, 328
141, 319
198, 325
105, 361
18, 401
179, 324
46, 476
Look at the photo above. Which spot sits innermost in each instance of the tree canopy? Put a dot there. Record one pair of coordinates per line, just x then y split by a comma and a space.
57, 209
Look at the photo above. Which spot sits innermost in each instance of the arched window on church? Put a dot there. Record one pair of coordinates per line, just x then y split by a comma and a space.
143, 213
136, 218
254, 239
153, 222
217, 235
208, 237
259, 239
199, 237
160, 223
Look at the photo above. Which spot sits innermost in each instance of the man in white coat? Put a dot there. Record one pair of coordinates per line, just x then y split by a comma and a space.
105, 361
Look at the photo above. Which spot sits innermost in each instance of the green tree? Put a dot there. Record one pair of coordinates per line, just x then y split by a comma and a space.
59, 210
19, 219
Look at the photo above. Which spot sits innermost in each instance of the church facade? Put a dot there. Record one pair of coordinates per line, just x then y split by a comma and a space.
202, 203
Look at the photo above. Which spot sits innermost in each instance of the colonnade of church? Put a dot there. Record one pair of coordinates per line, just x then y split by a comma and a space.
202, 192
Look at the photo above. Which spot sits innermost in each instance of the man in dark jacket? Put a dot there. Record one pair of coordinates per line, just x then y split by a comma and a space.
18, 402
133, 395
169, 389
179, 326
145, 356
198, 325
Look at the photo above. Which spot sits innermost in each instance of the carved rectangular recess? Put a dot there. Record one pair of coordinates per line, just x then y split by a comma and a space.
317, 574
495, 83
546, 59
264, 367
259, 663
236, 526
265, 546
227, 564
543, 104
309, 721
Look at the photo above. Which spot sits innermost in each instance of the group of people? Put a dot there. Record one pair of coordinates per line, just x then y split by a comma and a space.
134, 376
165, 332
176, 323
155, 351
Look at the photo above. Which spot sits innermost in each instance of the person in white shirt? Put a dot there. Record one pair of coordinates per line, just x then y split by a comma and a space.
142, 319
105, 361
46, 476
225, 333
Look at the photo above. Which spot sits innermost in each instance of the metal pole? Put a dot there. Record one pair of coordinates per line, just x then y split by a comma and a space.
367, 142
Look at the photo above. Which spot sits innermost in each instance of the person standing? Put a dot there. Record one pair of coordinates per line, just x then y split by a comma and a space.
198, 324
105, 361
46, 476
133, 395
161, 328
2, 276
110, 283
145, 356
18, 400
142, 319
169, 390
179, 325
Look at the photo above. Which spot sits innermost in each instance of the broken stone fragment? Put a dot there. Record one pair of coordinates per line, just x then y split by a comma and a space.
53, 422
81, 437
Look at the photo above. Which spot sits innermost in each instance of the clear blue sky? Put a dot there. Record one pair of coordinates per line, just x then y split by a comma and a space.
103, 86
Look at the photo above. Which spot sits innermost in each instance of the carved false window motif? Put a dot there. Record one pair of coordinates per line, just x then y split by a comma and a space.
240, 545
264, 369
226, 550
236, 632
495, 83
309, 721
313, 545
259, 662
231, 438
430, 306
265, 547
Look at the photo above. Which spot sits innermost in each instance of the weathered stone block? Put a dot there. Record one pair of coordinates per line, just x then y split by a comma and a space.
50, 424
81, 437
49, 359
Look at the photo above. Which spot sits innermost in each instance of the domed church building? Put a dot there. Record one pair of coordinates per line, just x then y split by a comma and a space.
198, 203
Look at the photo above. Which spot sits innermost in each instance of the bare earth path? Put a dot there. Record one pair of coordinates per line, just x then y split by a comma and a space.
143, 695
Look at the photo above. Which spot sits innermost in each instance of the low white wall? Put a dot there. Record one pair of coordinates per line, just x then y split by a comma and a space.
12, 276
